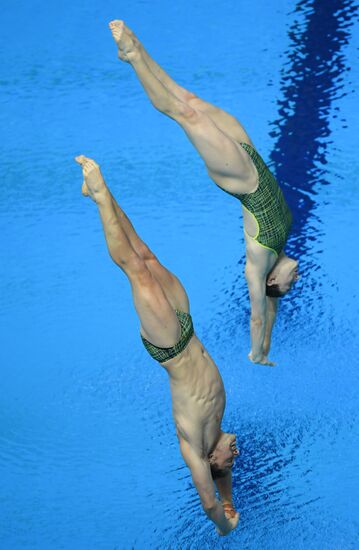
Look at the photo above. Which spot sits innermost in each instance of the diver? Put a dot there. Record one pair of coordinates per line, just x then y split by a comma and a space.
166, 328
235, 166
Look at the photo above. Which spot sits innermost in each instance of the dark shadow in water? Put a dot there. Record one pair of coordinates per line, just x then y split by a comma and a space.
311, 80
261, 480
270, 486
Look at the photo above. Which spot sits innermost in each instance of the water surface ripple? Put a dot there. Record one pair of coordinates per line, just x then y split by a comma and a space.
88, 451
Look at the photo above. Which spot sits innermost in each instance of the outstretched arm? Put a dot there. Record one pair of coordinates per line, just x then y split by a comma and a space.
256, 280
272, 307
202, 479
224, 486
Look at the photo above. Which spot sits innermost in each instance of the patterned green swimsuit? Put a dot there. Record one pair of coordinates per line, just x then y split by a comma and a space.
164, 354
268, 206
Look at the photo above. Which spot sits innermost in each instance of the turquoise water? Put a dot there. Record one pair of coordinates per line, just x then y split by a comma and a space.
88, 452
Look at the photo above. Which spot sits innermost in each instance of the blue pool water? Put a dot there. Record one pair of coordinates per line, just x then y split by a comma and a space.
88, 452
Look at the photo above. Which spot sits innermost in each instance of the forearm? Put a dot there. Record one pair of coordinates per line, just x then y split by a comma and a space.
272, 304
258, 329
224, 486
202, 478
268, 333
216, 514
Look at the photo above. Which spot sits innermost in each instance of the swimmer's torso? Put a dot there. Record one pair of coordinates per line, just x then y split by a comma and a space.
198, 397
266, 215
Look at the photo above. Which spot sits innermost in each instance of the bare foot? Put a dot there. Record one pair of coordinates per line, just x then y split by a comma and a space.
94, 185
127, 43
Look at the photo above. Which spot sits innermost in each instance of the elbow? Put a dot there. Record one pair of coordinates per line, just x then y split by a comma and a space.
257, 321
209, 506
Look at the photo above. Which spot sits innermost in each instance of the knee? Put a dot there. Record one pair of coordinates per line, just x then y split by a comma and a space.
195, 102
203, 107
145, 253
188, 96
209, 506
131, 264
138, 273
187, 114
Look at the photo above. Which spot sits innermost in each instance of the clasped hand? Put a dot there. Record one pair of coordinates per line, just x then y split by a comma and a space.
232, 517
260, 359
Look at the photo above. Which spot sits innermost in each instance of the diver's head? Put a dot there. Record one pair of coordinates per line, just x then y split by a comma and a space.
222, 457
282, 276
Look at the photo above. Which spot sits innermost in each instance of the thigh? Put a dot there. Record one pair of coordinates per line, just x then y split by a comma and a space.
159, 323
227, 162
170, 284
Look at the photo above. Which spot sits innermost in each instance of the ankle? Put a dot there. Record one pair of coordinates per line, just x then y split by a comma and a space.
136, 56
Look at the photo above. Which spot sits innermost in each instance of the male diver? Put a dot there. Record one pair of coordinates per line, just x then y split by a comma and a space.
235, 166
167, 332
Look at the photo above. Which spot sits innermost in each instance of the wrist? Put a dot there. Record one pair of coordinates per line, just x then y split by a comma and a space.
256, 357
224, 529
229, 510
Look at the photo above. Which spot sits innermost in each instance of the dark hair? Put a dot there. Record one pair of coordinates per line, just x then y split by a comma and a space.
217, 472
273, 291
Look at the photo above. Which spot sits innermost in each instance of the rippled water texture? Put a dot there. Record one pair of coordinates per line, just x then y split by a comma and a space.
88, 453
